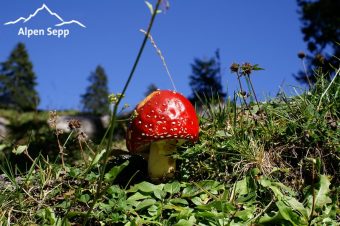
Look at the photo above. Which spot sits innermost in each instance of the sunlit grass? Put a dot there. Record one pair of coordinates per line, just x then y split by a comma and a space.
273, 163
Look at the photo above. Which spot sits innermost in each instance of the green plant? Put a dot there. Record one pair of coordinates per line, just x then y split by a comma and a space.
273, 163
114, 113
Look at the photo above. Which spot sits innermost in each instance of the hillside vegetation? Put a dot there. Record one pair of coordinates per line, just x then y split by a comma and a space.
272, 163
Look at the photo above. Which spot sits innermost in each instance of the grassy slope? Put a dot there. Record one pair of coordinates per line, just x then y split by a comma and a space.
275, 165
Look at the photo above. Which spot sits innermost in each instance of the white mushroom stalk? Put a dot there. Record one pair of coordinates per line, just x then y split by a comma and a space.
161, 164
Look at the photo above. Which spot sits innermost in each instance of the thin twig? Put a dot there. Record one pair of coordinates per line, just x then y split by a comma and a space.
161, 56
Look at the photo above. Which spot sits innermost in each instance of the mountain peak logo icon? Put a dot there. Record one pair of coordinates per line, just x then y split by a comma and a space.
45, 7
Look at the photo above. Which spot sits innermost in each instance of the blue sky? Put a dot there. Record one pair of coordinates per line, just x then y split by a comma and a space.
264, 32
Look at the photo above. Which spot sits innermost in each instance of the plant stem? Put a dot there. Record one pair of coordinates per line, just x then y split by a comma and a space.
307, 77
313, 193
61, 150
253, 90
263, 211
114, 115
241, 89
161, 56
67, 139
250, 92
324, 93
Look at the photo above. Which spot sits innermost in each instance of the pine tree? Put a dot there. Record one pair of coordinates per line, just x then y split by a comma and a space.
205, 80
18, 81
321, 31
95, 100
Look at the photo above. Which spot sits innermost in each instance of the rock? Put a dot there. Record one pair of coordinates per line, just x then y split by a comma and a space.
105, 119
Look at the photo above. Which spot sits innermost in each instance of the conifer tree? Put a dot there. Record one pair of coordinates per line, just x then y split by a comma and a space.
205, 80
95, 100
321, 31
18, 81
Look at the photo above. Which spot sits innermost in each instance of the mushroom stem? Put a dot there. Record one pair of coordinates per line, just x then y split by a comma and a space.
161, 164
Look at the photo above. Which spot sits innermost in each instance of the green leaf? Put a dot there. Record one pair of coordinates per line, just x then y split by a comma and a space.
257, 68
296, 205
242, 187
246, 214
159, 194
3, 146
328, 216
153, 210
197, 201
114, 172
321, 195
85, 198
97, 157
202, 187
183, 222
135, 197
222, 206
145, 203
115, 190
20, 149
271, 218
91, 177
268, 184
145, 187
288, 213
47, 215
245, 190
179, 201
172, 188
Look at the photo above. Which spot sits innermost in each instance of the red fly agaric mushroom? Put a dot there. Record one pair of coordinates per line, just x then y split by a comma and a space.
163, 119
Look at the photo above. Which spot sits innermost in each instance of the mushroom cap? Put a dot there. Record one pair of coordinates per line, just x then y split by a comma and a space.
163, 115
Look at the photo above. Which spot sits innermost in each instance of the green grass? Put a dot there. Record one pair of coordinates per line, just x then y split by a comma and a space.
273, 164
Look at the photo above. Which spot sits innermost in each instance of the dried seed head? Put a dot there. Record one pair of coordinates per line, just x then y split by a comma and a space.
52, 119
234, 67
74, 124
246, 69
301, 55
82, 136
319, 59
243, 94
